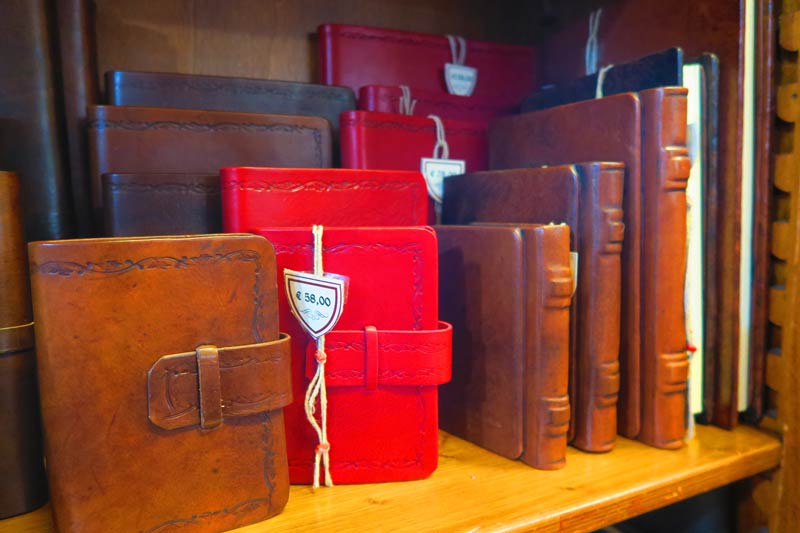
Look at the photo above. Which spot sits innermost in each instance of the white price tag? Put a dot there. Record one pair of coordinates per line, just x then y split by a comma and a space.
460, 79
436, 170
316, 301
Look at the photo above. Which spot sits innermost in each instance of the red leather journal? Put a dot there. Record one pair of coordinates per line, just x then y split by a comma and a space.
355, 56
267, 197
386, 355
386, 99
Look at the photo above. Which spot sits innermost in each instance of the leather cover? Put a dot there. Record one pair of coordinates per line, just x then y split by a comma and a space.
169, 416
661, 69
31, 120
665, 362
22, 481
225, 93
161, 204
149, 139
268, 197
386, 99
508, 392
605, 129
589, 198
355, 56
386, 355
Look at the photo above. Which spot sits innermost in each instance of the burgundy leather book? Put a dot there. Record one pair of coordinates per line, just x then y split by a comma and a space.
148, 139
355, 56
31, 119
604, 129
508, 391
269, 197
387, 99
385, 356
161, 204
589, 198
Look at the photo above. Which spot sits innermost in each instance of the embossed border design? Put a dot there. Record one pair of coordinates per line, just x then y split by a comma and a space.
367, 122
119, 267
474, 47
166, 187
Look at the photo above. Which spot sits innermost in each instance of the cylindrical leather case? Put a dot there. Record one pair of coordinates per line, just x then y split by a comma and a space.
22, 481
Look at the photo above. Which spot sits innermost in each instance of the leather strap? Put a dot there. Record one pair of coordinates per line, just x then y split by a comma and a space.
206, 386
371, 358
16, 339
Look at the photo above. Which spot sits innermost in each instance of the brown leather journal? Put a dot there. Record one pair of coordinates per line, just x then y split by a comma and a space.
507, 291
149, 139
606, 129
169, 416
588, 197
161, 204
22, 482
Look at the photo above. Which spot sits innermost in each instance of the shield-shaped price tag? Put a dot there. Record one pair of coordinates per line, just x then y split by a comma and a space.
460, 79
316, 301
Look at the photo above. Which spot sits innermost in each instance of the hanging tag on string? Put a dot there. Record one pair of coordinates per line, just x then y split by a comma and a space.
435, 169
316, 301
459, 78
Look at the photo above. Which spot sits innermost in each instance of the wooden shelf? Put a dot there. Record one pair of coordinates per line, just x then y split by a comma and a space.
475, 490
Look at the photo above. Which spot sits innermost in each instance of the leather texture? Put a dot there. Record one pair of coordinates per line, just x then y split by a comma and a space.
22, 478
161, 204
269, 197
355, 56
191, 141
157, 297
226, 93
387, 353
31, 119
665, 361
588, 197
606, 129
661, 69
508, 392
386, 99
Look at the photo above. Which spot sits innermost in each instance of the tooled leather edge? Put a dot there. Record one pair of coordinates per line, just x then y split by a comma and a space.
15, 339
169, 409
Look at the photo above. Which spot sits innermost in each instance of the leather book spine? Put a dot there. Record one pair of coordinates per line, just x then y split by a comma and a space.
22, 483
30, 119
549, 293
79, 87
598, 294
665, 362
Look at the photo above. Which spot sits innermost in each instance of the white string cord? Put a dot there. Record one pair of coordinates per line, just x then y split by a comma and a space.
407, 103
592, 45
601, 78
441, 150
317, 387
458, 49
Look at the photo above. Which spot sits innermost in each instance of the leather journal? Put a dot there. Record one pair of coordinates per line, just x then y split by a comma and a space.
148, 139
31, 118
387, 99
22, 478
588, 197
268, 197
507, 291
355, 56
654, 368
161, 204
226, 93
170, 415
385, 357
655, 70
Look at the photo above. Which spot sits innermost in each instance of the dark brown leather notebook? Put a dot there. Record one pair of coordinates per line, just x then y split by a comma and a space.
170, 414
31, 118
22, 481
507, 292
608, 129
150, 139
161, 204
226, 93
589, 198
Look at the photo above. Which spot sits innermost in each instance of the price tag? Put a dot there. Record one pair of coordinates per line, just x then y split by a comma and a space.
436, 170
316, 301
460, 79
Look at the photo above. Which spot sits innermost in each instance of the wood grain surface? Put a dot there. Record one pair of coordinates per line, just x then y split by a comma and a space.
475, 490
